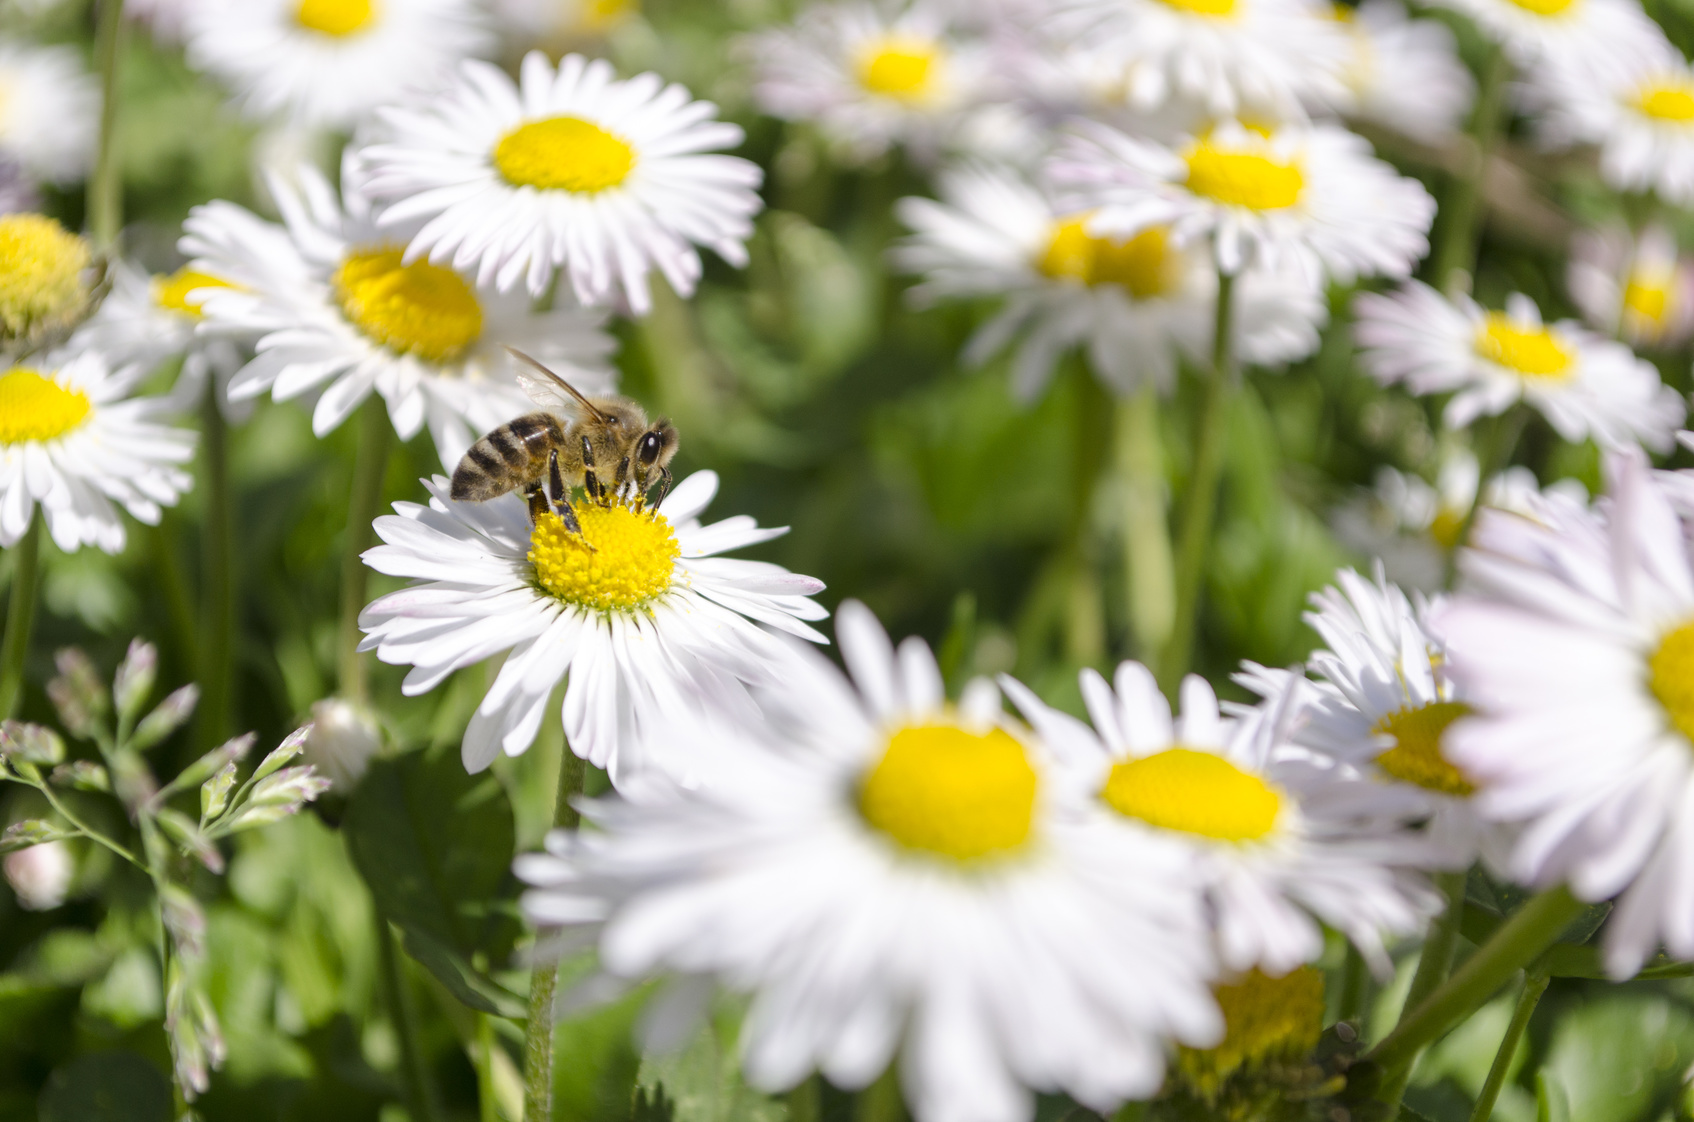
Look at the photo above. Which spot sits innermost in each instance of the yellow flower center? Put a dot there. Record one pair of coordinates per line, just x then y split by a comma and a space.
1671, 677
563, 154
417, 309
1243, 178
34, 408
633, 559
944, 790
42, 266
171, 293
1266, 1021
1145, 265
1194, 792
1532, 353
904, 69
1545, 7
1671, 100
1416, 756
597, 15
1647, 295
335, 17
1446, 527
1219, 8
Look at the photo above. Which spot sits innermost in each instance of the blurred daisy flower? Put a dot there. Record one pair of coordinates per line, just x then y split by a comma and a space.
888, 875
334, 309
644, 619
568, 168
872, 77
529, 20
1136, 305
73, 441
328, 63
1272, 1025
48, 109
1402, 73
47, 275
1640, 290
1586, 386
1281, 842
1310, 198
1576, 645
1592, 36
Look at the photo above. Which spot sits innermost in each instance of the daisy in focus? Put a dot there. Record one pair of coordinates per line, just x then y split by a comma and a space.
889, 875
328, 63
1280, 841
645, 619
334, 309
1137, 305
1593, 36
1308, 198
49, 104
1403, 73
1575, 643
75, 443
1586, 386
567, 169
1638, 289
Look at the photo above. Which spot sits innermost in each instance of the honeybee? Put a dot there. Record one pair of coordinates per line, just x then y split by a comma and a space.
604, 445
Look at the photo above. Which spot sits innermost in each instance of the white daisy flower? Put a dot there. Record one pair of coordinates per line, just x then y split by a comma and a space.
328, 63
335, 311
1402, 73
871, 76
567, 169
1137, 305
887, 874
1312, 198
1594, 36
1639, 289
645, 618
49, 105
1576, 645
166, 20
1281, 841
549, 19
73, 441
1586, 387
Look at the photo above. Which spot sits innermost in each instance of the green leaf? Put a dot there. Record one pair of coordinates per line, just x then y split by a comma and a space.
704, 1080
463, 980
106, 1087
1617, 1056
1551, 1102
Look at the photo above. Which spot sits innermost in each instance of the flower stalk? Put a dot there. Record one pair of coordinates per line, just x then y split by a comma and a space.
370, 464
20, 616
105, 186
217, 610
1533, 987
1150, 571
544, 978
1434, 963
1455, 252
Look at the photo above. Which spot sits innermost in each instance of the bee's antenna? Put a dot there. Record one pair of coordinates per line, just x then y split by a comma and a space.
564, 385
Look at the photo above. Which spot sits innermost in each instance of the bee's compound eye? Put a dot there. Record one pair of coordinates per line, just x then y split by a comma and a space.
651, 445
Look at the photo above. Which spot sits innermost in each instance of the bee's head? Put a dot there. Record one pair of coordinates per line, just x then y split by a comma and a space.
657, 445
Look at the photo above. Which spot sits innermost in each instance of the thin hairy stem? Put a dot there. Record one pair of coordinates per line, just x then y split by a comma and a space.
544, 978
20, 616
370, 464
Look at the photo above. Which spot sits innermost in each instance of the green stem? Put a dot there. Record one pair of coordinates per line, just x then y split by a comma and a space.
485, 1046
1531, 929
1149, 571
881, 1101
105, 186
1508, 429
544, 978
1084, 613
86, 830
1533, 987
421, 1098
1455, 253
805, 1102
1194, 538
1355, 984
370, 463
14, 648
217, 639
1434, 964
173, 590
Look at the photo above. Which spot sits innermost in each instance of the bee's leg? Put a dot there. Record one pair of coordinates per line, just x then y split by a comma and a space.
561, 499
664, 485
537, 502
590, 482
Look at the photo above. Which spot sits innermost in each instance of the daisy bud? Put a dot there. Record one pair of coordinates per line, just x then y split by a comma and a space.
342, 742
134, 679
40, 875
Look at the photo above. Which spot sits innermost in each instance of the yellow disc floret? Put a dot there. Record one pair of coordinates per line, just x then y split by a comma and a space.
1243, 177
904, 69
335, 17
1647, 296
952, 792
1266, 1021
1546, 7
1671, 100
1195, 793
563, 154
1219, 8
43, 281
34, 408
1416, 756
1671, 678
633, 559
171, 292
417, 309
1533, 352
1145, 266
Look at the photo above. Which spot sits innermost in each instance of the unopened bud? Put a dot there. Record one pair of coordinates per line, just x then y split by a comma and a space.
33, 744
289, 748
41, 875
84, 775
214, 794
133, 682
275, 798
227, 753
343, 741
77, 692
166, 718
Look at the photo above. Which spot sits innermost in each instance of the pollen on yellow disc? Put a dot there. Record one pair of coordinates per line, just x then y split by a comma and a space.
952, 792
903, 69
1671, 677
34, 408
1667, 101
417, 309
1195, 793
43, 282
633, 559
1266, 1020
1648, 297
1143, 265
1204, 7
1532, 353
335, 17
171, 292
1546, 7
1243, 178
1416, 756
563, 154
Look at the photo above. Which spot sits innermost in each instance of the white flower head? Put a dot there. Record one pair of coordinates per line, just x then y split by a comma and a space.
1640, 289
644, 620
334, 310
1586, 386
1278, 839
529, 20
329, 63
1403, 73
41, 875
1592, 36
48, 108
1311, 198
73, 441
343, 740
566, 169
1136, 305
891, 875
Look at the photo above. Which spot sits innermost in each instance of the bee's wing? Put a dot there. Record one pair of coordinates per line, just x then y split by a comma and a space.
552, 392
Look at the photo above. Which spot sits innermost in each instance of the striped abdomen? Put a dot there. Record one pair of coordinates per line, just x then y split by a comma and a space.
512, 456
